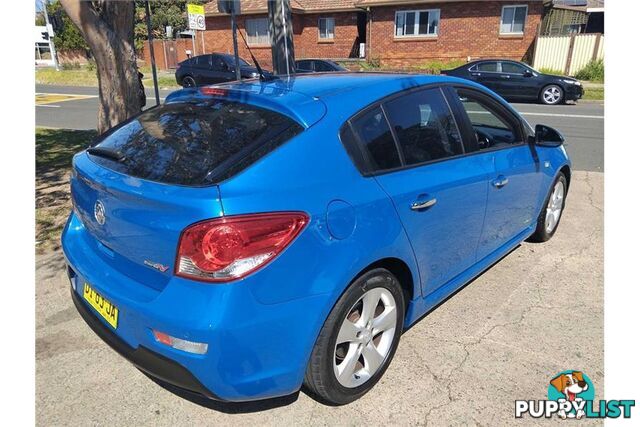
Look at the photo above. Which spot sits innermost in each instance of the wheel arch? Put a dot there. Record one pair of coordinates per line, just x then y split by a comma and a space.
401, 270
566, 171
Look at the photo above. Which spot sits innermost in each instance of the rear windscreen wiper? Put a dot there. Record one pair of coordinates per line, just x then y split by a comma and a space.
106, 153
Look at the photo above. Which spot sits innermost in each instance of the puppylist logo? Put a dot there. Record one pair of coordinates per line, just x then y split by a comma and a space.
571, 395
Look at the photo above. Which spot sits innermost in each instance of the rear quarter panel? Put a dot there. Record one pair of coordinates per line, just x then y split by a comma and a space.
306, 174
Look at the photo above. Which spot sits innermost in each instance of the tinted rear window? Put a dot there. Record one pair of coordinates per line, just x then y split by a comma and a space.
196, 143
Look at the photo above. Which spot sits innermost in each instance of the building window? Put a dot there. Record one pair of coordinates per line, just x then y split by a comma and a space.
512, 21
258, 31
326, 27
417, 23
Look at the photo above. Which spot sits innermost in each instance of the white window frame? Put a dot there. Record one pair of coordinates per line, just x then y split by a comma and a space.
416, 23
327, 35
524, 23
259, 40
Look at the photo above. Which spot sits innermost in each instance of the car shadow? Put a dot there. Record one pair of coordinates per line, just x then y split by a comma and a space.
227, 407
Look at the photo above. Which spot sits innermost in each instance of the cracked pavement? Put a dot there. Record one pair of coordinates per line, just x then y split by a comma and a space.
535, 313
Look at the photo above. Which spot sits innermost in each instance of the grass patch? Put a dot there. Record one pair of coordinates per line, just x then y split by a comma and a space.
69, 77
596, 93
87, 76
54, 150
545, 70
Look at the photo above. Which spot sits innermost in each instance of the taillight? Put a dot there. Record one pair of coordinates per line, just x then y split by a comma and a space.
230, 248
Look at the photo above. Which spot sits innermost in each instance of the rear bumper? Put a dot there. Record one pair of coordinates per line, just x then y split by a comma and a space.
152, 363
255, 350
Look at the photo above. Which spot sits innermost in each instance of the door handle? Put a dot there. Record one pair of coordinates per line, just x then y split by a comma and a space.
500, 182
419, 205
505, 76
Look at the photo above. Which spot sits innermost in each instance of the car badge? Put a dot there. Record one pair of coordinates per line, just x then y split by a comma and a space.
156, 265
98, 212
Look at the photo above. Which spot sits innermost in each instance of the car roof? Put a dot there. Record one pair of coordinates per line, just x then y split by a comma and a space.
307, 97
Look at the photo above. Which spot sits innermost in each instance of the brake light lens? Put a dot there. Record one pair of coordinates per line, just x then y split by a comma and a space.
230, 248
213, 91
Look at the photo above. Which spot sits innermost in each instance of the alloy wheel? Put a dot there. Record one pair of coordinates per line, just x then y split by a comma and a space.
552, 95
365, 338
554, 207
188, 82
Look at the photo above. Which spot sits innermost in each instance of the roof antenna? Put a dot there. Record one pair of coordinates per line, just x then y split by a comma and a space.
263, 77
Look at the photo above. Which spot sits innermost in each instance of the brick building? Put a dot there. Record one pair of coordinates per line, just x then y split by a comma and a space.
395, 32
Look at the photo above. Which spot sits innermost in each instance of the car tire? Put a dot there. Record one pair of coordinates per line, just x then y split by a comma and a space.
552, 95
551, 211
341, 372
188, 81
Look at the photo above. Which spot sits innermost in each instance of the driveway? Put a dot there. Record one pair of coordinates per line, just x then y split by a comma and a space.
537, 312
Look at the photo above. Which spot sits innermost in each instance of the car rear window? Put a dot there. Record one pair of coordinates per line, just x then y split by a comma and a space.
194, 143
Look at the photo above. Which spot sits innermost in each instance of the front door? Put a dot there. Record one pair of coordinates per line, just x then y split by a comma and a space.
439, 194
516, 84
514, 190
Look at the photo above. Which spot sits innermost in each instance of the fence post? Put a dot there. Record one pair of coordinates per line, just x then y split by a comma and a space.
535, 46
596, 47
570, 54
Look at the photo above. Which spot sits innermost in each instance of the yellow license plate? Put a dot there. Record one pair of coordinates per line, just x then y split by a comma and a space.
103, 306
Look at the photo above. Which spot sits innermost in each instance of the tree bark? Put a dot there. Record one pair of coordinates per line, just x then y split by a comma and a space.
107, 27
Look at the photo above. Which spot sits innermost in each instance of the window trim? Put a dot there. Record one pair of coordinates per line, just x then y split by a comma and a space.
524, 23
249, 41
416, 24
333, 33
492, 105
364, 164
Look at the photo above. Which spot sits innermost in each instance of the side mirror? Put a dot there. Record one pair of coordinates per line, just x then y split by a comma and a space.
527, 73
548, 137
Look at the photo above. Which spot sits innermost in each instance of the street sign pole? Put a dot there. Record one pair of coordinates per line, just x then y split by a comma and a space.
153, 58
50, 33
234, 27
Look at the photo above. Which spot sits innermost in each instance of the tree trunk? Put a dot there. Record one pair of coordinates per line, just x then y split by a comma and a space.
107, 27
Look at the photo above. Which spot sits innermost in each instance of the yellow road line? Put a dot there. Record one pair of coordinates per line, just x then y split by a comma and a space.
50, 98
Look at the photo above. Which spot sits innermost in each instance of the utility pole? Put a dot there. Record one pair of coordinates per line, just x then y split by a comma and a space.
54, 56
153, 57
281, 30
234, 27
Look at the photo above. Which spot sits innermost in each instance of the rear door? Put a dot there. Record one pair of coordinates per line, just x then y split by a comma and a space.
487, 74
415, 147
515, 184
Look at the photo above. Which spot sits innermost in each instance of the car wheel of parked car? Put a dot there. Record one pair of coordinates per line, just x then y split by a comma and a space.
188, 81
549, 217
358, 339
552, 95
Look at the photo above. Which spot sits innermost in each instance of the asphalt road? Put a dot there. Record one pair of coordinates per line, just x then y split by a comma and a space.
582, 124
537, 312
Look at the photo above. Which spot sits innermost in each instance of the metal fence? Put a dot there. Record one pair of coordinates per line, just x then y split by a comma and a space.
567, 54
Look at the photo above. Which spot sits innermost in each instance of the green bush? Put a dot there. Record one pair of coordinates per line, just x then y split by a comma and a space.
436, 67
593, 71
371, 64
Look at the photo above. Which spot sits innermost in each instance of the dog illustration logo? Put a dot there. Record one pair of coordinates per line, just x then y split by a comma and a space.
571, 386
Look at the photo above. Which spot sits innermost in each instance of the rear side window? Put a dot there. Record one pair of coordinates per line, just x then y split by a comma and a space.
305, 65
424, 126
195, 143
488, 66
374, 133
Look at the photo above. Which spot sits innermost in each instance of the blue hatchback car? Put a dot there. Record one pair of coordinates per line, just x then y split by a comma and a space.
242, 239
